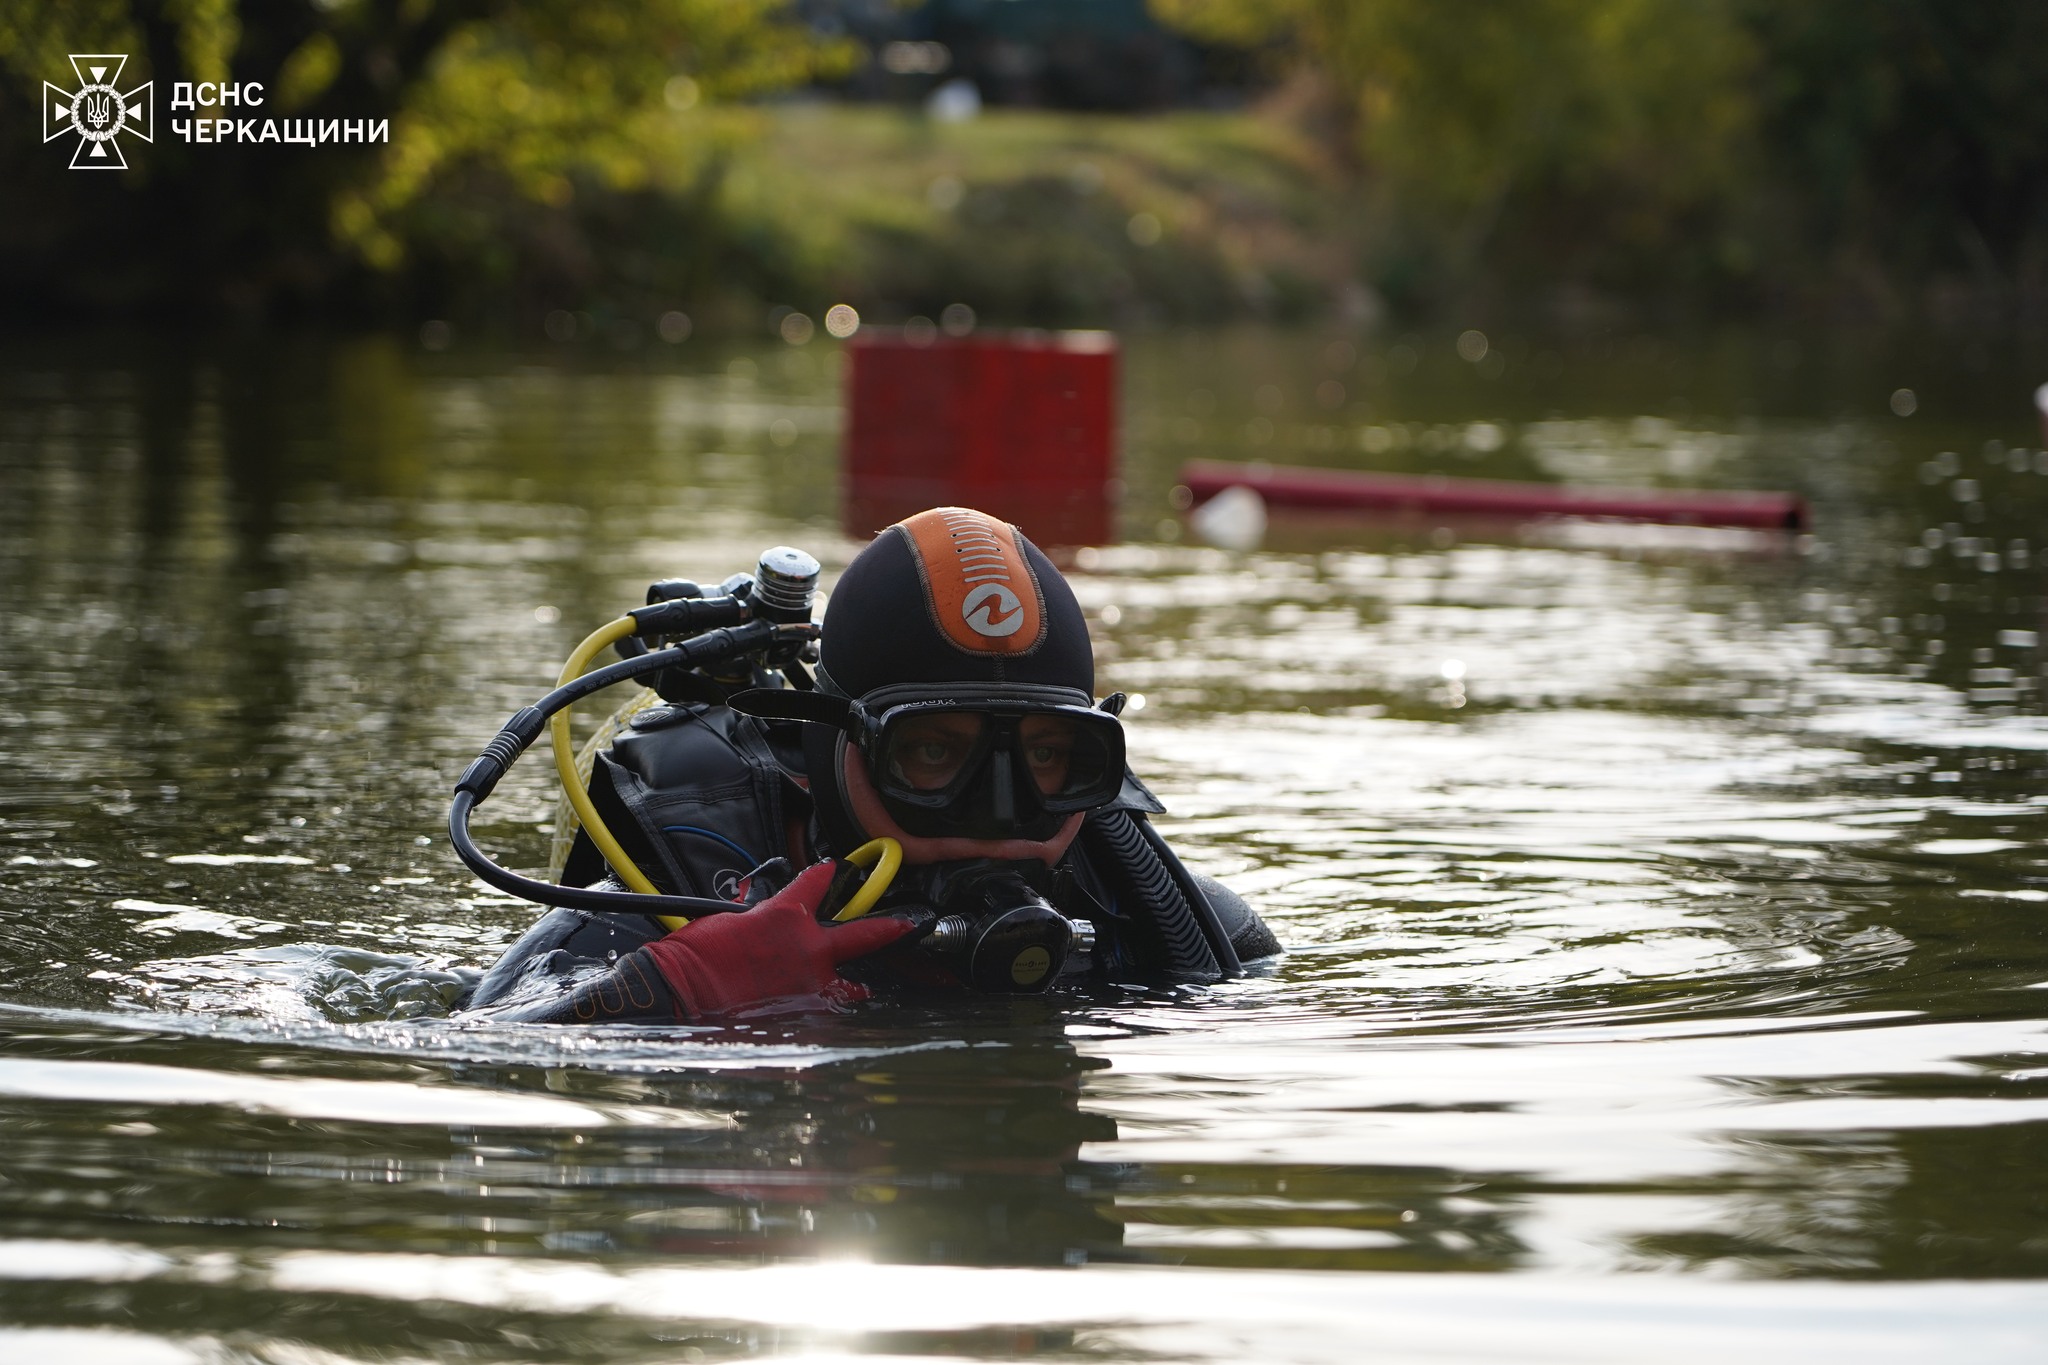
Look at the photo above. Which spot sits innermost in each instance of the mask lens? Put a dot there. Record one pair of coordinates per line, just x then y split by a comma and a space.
927, 753
1066, 760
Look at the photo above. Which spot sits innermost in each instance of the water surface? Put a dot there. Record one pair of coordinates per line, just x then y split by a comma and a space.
1665, 906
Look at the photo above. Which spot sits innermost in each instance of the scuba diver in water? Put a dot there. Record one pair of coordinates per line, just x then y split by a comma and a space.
948, 769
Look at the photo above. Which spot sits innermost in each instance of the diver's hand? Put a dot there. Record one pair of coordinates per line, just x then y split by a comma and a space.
775, 952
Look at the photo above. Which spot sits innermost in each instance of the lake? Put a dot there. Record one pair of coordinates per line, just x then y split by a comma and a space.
1667, 907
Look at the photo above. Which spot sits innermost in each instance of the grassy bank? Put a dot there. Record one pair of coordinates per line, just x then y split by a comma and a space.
1048, 218
1029, 218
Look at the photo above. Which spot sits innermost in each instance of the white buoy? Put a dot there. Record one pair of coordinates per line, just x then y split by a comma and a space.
1234, 519
957, 101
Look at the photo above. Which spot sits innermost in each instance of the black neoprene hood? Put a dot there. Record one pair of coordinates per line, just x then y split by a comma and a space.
887, 622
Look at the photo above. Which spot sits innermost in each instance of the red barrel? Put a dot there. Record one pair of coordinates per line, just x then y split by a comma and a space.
1441, 495
1019, 425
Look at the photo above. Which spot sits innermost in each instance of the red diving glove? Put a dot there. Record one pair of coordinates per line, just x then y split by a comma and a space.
775, 952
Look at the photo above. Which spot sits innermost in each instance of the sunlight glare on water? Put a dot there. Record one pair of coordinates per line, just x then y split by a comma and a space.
1657, 899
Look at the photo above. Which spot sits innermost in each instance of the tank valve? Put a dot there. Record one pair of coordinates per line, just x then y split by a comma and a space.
785, 581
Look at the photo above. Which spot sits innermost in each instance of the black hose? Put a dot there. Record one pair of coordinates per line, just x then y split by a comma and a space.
1198, 900
1127, 852
574, 897
518, 735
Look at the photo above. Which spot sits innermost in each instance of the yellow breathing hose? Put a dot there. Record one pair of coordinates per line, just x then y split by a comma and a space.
884, 855
565, 763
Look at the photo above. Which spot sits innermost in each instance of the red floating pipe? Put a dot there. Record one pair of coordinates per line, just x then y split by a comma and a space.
1444, 495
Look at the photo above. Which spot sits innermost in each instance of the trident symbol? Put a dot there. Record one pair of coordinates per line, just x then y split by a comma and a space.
100, 115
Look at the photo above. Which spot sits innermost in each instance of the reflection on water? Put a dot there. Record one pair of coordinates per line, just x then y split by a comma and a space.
1658, 899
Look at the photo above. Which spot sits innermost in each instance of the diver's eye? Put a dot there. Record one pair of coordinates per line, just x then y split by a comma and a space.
929, 752
1048, 751
926, 758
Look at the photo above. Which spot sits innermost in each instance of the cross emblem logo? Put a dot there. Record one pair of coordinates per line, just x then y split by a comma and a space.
97, 111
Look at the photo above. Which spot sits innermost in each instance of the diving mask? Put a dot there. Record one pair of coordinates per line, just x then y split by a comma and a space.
956, 761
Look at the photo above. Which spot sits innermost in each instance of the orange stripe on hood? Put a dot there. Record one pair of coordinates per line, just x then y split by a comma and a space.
980, 589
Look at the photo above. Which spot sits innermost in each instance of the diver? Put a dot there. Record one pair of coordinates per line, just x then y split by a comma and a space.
952, 725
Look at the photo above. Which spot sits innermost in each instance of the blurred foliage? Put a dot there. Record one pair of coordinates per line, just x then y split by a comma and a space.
1590, 159
1467, 105
1042, 218
1909, 136
1830, 152
529, 97
610, 93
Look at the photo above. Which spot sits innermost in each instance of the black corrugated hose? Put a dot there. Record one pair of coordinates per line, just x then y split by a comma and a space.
1136, 865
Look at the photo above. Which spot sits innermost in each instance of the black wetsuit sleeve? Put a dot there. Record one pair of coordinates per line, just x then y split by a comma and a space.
576, 967
628, 991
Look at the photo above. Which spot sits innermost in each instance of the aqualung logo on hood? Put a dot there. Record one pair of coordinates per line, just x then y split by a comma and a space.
982, 592
97, 111
993, 610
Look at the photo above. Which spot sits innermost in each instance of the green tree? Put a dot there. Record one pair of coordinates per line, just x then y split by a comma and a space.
1910, 137
1798, 156
1569, 138
530, 95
